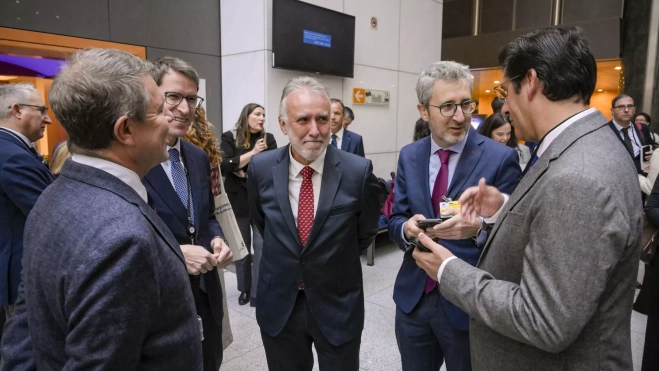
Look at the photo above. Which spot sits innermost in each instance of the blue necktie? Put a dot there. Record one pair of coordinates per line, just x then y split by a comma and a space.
181, 187
334, 141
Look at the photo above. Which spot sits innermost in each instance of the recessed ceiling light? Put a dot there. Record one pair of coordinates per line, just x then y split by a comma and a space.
599, 89
487, 91
618, 68
496, 81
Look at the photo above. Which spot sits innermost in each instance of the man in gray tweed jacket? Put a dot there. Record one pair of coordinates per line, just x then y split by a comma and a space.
554, 286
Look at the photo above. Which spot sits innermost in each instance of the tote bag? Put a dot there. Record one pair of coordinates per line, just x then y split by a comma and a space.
227, 220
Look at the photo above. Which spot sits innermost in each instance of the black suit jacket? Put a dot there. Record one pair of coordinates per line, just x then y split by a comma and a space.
170, 209
637, 159
105, 283
345, 224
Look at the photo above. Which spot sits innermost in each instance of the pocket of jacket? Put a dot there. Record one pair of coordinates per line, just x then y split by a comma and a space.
343, 209
514, 218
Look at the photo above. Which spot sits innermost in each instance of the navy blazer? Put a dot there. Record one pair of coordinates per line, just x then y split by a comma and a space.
352, 142
170, 209
22, 180
481, 158
345, 224
644, 142
105, 283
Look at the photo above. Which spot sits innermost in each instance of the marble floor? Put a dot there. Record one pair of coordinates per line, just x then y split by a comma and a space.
378, 350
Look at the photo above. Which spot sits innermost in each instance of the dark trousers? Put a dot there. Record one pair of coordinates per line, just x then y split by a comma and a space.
426, 338
291, 350
212, 343
244, 265
651, 347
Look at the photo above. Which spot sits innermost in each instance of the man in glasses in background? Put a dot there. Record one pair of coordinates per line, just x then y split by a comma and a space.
23, 176
622, 113
181, 194
430, 329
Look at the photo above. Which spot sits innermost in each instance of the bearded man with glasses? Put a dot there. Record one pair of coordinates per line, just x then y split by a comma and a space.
430, 329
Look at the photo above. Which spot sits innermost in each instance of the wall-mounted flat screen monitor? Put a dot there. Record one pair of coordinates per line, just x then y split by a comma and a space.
310, 38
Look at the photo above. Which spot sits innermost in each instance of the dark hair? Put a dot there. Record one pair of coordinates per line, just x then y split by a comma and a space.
347, 112
162, 65
617, 98
560, 56
647, 117
242, 126
497, 105
421, 129
334, 100
492, 123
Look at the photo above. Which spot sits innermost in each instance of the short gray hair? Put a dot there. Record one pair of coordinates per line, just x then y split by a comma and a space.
14, 93
162, 65
445, 71
301, 83
95, 89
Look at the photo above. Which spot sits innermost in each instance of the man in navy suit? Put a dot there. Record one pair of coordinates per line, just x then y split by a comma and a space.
430, 329
622, 113
180, 189
341, 137
23, 119
317, 210
105, 283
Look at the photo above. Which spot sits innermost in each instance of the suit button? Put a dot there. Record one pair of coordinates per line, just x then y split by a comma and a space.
303, 262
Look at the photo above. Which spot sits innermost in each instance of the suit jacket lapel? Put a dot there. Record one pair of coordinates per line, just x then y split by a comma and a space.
471, 155
328, 189
280, 183
577, 130
195, 181
423, 167
159, 181
345, 142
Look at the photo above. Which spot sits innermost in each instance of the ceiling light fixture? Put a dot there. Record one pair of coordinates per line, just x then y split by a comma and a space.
618, 68
487, 91
496, 81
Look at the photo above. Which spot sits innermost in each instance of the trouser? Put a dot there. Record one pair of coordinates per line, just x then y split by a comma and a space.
426, 338
651, 347
212, 344
8, 311
257, 245
291, 350
244, 265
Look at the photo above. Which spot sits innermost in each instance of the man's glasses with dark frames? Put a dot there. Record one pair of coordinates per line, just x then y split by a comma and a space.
622, 107
174, 99
449, 109
43, 110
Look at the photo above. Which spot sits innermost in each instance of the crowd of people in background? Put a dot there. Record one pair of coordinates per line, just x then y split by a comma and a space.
520, 238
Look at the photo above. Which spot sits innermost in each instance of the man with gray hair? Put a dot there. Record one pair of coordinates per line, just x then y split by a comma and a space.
317, 209
105, 282
23, 119
431, 172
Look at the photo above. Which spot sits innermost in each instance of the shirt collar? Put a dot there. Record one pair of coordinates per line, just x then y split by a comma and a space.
457, 147
124, 174
560, 128
176, 146
23, 137
618, 126
339, 134
318, 164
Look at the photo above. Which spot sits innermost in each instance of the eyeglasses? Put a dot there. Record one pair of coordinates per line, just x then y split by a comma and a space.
501, 92
175, 99
622, 107
449, 109
42, 109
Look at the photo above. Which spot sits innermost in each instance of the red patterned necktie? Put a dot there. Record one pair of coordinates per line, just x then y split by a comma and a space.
440, 188
305, 205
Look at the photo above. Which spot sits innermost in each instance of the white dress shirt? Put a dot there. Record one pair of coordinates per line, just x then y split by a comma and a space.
167, 165
339, 137
549, 138
124, 174
295, 181
636, 141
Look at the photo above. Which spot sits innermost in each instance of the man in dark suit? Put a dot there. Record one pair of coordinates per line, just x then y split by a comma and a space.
180, 189
317, 209
23, 176
341, 137
105, 281
429, 328
622, 113
348, 116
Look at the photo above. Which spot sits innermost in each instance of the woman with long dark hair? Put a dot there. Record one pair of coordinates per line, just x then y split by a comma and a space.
497, 128
239, 145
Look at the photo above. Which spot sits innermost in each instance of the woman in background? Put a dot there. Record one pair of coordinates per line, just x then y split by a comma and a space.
497, 128
60, 154
421, 130
239, 145
201, 135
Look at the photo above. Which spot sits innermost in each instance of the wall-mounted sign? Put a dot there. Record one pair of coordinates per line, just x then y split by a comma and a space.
369, 96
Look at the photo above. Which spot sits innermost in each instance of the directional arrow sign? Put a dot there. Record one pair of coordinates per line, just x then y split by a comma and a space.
358, 96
